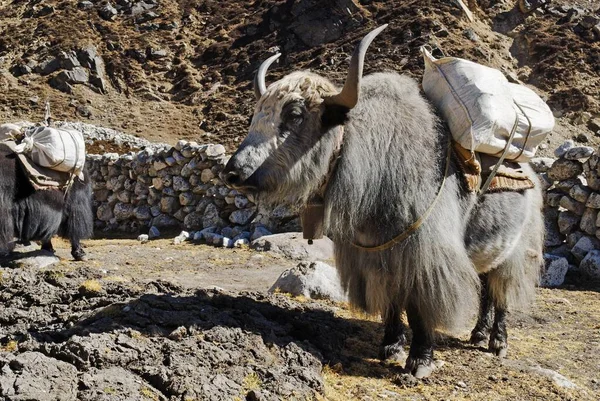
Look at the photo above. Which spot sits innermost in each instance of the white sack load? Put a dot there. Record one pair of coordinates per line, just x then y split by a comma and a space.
482, 108
57, 149
9, 131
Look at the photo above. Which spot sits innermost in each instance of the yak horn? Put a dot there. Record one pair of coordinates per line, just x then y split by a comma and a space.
348, 97
259, 79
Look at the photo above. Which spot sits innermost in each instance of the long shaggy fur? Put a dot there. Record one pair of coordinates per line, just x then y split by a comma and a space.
31, 215
391, 167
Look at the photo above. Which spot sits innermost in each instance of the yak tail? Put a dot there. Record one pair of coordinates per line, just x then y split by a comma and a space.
78, 220
512, 284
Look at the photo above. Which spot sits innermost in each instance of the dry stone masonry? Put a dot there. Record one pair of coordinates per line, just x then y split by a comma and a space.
163, 188
572, 205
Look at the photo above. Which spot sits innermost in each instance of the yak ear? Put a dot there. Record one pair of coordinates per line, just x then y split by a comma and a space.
333, 115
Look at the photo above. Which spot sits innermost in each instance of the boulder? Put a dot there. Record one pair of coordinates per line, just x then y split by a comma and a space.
556, 269
563, 169
293, 246
316, 280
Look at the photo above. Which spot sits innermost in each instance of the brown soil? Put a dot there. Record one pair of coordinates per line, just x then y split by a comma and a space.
202, 89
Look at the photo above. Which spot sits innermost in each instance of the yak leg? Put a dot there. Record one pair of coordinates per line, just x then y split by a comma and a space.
499, 338
392, 347
481, 332
77, 251
420, 357
47, 246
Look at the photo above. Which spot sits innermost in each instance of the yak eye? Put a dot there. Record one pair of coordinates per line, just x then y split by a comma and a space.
295, 117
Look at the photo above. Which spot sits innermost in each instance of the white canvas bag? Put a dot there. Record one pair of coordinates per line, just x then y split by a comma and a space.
483, 110
57, 149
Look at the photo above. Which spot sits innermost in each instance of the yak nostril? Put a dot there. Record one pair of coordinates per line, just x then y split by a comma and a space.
231, 178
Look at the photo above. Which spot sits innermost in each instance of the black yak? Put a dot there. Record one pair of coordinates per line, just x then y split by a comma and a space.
31, 215
393, 169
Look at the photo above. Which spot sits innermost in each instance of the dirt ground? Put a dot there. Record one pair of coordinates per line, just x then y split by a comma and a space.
145, 322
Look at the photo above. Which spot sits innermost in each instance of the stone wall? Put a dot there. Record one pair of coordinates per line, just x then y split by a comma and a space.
159, 188
572, 203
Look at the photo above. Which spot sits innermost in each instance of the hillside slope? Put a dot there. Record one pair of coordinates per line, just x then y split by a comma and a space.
170, 69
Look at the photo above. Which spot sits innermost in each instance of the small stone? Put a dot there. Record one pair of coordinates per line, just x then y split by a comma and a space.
241, 201
563, 169
206, 175
553, 198
541, 164
241, 243
562, 149
567, 222
579, 152
573, 238
259, 232
583, 246
590, 265
123, 211
471, 35
108, 12
566, 185
143, 238
580, 193
214, 151
242, 216
588, 221
572, 205
154, 232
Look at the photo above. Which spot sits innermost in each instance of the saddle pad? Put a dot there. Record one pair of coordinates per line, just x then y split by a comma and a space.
476, 167
41, 178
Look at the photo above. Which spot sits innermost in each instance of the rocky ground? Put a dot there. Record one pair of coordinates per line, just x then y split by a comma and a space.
172, 69
168, 322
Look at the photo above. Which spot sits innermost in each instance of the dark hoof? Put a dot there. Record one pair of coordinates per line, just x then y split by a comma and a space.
479, 339
79, 256
420, 368
393, 352
498, 347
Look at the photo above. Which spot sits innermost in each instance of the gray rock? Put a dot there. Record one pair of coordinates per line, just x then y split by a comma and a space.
316, 280
578, 153
583, 246
165, 221
35, 259
206, 175
108, 12
553, 198
104, 212
214, 151
65, 79
180, 184
593, 201
68, 60
556, 269
553, 235
572, 205
142, 212
187, 199
566, 185
593, 180
181, 238
143, 238
590, 265
580, 193
123, 211
573, 238
567, 222
85, 5
563, 169
562, 149
260, 232
293, 246
193, 221
169, 204
34, 376
212, 218
154, 232
242, 216
214, 239
47, 66
541, 164
588, 221
116, 383
241, 243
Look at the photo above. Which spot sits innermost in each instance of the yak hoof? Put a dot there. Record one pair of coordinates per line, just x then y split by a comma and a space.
79, 256
498, 347
478, 339
393, 353
420, 368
